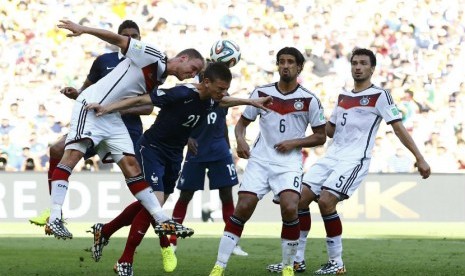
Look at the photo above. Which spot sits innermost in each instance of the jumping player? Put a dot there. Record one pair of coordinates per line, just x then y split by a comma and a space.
144, 68
101, 66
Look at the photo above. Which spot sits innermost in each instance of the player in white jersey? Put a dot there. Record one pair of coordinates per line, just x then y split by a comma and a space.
353, 126
144, 69
275, 161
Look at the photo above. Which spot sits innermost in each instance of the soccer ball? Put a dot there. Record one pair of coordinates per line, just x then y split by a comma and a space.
226, 51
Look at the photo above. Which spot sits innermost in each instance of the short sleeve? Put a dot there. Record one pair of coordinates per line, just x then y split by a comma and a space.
316, 113
251, 112
143, 54
387, 108
95, 70
161, 97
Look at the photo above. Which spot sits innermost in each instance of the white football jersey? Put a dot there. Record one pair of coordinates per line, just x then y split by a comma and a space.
288, 119
143, 70
357, 117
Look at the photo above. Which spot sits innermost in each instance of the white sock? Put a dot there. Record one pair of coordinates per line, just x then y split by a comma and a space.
289, 250
300, 255
150, 202
334, 247
59, 189
226, 247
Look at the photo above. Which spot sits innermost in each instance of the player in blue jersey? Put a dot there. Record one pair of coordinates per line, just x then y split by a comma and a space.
208, 149
101, 66
160, 149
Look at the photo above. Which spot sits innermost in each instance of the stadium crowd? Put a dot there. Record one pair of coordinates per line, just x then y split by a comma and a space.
418, 45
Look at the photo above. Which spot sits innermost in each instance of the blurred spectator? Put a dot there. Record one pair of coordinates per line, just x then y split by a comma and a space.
4, 165
418, 44
399, 162
230, 20
5, 126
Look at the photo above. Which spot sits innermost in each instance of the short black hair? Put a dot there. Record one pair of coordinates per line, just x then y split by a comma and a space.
299, 58
217, 70
128, 24
364, 52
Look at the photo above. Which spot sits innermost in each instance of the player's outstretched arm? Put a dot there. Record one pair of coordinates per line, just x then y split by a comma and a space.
243, 149
405, 138
70, 92
117, 106
110, 37
261, 102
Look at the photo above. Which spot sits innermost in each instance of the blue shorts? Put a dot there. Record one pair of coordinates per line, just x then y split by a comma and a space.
221, 173
160, 172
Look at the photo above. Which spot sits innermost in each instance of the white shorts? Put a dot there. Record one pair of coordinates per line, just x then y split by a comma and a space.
337, 176
259, 178
108, 134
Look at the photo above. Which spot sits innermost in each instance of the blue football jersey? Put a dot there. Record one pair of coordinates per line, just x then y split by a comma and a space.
181, 111
211, 137
103, 65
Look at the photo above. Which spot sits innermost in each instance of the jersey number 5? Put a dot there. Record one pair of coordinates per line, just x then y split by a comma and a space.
344, 117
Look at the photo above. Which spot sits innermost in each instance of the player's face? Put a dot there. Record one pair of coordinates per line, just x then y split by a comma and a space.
288, 68
217, 89
188, 67
361, 68
130, 32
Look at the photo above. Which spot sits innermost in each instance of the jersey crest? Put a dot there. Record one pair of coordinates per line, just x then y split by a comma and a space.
348, 102
285, 106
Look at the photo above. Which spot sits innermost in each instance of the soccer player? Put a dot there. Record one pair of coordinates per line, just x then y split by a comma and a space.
160, 149
208, 149
144, 68
353, 126
275, 161
101, 66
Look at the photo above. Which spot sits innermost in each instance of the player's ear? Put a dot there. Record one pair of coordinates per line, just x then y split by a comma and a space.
206, 82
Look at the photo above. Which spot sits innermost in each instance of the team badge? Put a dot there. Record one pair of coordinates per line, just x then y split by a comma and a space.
137, 46
298, 105
395, 111
322, 116
364, 101
154, 179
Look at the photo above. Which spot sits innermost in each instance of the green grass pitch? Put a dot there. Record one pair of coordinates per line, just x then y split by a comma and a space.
369, 249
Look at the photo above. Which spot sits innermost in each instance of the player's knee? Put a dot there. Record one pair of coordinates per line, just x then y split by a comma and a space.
289, 211
226, 196
244, 209
326, 205
306, 197
57, 150
129, 166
